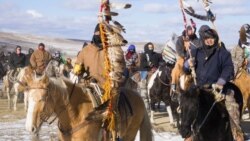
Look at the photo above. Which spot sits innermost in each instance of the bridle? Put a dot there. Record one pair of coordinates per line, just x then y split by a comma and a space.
45, 114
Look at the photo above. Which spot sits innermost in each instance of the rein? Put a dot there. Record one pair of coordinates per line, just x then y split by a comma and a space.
163, 82
73, 130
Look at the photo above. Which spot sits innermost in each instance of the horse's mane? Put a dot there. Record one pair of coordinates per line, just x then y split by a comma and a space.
57, 84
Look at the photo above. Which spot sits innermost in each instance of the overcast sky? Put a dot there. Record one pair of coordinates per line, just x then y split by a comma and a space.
147, 20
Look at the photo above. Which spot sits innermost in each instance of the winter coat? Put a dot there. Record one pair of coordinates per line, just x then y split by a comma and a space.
149, 60
131, 59
180, 49
17, 61
212, 64
27, 61
39, 60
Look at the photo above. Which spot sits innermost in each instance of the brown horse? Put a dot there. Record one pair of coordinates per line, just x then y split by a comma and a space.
72, 103
242, 81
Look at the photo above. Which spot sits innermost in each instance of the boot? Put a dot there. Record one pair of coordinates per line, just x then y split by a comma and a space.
234, 113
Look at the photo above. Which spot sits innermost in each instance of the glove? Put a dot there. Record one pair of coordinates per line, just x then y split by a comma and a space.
217, 89
77, 69
191, 62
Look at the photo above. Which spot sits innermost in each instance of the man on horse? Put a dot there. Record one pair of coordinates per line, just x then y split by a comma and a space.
214, 68
182, 46
239, 53
40, 59
17, 59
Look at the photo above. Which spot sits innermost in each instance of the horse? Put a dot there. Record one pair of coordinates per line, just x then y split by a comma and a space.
202, 117
13, 86
159, 90
73, 104
242, 81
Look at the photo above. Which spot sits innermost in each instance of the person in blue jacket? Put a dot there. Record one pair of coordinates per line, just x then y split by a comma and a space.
214, 67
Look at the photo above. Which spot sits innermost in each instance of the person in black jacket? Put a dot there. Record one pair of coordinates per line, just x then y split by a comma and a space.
214, 68
17, 59
149, 60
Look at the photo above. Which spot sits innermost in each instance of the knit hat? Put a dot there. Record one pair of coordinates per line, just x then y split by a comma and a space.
131, 48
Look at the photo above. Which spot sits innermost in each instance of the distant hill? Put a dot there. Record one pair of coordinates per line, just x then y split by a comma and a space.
8, 42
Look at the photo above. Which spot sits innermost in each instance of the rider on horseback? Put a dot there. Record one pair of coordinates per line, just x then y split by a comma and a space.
131, 58
182, 46
40, 59
17, 59
149, 61
214, 67
239, 53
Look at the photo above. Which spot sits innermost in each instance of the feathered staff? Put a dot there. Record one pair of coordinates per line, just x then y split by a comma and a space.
105, 15
209, 17
189, 51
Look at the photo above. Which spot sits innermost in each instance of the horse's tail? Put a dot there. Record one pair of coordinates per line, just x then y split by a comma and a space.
146, 129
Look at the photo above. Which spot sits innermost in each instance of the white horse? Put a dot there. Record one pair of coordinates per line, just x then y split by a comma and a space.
14, 85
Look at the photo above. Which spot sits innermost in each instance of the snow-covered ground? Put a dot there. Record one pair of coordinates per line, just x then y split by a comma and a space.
13, 131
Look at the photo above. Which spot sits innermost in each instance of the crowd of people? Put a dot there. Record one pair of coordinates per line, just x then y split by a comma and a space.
207, 56
36, 59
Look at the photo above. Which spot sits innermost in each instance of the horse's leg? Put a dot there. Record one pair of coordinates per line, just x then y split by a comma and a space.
25, 101
248, 107
170, 114
8, 96
15, 101
152, 111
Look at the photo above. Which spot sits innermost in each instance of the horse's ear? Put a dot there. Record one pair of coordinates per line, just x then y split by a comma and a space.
45, 80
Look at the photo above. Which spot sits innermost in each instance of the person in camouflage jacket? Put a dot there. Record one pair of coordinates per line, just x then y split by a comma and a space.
239, 55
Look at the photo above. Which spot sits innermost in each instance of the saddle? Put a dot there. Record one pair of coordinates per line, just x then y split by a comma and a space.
137, 77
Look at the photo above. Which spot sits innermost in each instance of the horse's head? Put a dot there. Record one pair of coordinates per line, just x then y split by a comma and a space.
37, 95
165, 72
189, 105
185, 82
